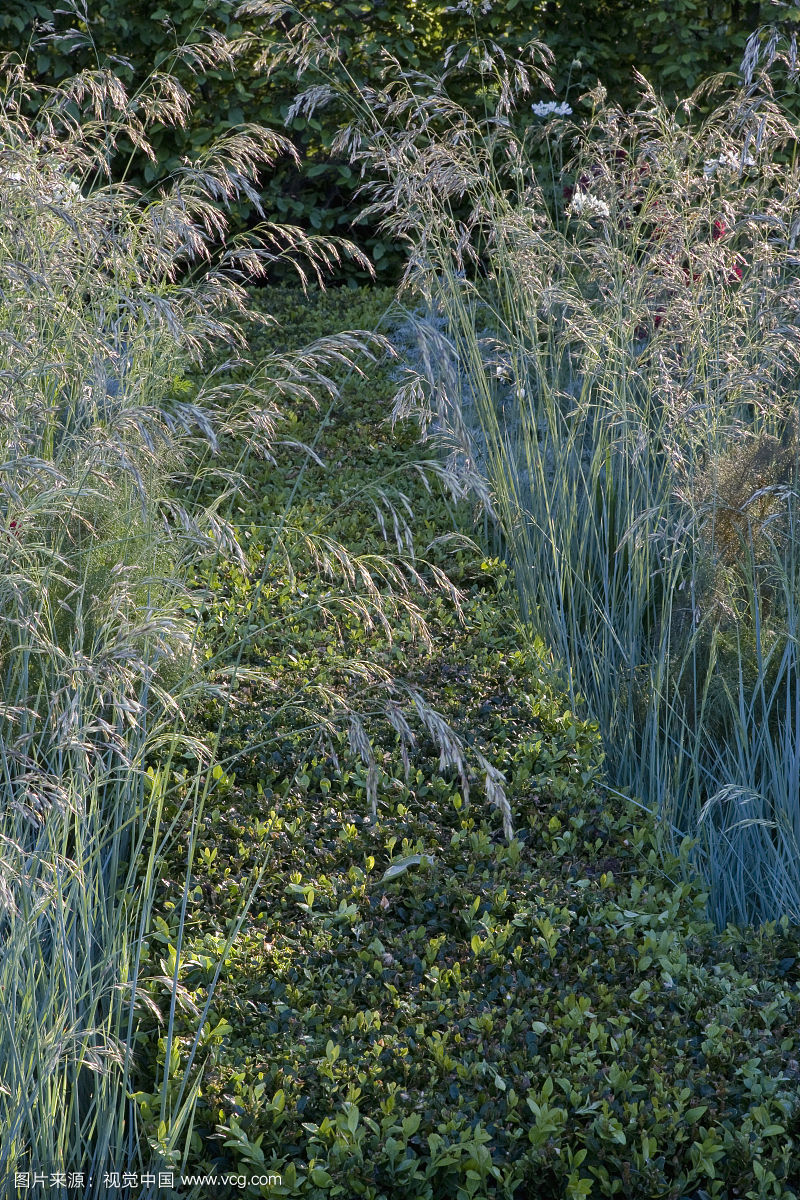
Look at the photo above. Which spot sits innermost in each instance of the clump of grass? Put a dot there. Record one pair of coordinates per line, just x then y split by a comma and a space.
109, 298
123, 443
616, 347
101, 318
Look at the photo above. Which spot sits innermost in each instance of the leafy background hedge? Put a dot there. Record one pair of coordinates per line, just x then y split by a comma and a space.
675, 43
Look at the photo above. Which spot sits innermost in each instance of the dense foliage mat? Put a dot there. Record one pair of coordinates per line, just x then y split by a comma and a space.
415, 1006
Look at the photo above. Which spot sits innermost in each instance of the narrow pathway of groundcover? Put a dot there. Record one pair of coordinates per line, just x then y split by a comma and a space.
546, 1018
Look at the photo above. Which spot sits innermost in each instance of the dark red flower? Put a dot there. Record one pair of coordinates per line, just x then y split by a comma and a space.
641, 331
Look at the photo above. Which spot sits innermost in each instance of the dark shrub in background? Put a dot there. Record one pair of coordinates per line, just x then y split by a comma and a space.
675, 43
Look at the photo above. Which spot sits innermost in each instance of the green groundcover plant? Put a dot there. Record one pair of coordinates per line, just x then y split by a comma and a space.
416, 1005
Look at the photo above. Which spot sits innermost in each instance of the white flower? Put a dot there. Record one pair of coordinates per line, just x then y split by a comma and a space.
584, 205
550, 108
65, 192
729, 160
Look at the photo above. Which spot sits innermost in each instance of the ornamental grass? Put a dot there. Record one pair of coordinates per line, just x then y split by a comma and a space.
611, 341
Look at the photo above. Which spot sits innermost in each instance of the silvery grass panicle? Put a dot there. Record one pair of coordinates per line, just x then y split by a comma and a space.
376, 587
99, 321
609, 354
648, 340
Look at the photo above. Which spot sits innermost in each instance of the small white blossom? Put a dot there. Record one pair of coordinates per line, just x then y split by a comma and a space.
584, 205
65, 192
729, 160
550, 108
